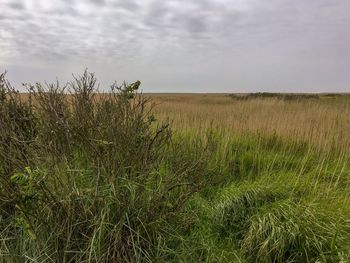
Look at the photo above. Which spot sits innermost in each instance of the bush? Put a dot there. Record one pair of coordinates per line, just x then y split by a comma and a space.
83, 174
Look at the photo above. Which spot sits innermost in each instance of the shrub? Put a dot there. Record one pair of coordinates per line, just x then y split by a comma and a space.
83, 174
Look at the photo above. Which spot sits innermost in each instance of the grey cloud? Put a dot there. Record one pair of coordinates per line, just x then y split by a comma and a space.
280, 43
99, 2
196, 25
129, 5
156, 14
67, 11
17, 5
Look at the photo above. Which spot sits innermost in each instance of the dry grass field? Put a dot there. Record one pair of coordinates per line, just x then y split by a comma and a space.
324, 122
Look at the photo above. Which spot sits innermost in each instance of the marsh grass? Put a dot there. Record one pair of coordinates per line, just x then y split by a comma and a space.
321, 123
288, 198
87, 176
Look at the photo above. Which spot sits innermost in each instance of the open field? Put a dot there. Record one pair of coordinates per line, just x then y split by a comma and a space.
200, 178
323, 122
291, 169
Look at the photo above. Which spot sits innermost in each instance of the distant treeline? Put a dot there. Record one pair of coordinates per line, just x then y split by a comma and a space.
282, 96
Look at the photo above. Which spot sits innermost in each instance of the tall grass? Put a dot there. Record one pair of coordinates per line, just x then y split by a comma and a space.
289, 159
323, 123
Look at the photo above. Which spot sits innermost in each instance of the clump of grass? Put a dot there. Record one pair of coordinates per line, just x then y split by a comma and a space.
233, 216
293, 232
271, 225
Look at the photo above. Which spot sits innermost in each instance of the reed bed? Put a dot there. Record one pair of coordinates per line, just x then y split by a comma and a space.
324, 122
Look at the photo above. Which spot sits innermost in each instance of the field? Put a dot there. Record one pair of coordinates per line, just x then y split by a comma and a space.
323, 122
125, 177
290, 174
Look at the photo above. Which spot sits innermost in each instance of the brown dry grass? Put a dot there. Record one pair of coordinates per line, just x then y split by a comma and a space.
324, 122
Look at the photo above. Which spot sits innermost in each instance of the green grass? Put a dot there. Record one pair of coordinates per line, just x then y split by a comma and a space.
281, 208
96, 178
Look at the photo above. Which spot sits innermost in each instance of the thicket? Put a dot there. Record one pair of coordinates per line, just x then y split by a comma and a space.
89, 176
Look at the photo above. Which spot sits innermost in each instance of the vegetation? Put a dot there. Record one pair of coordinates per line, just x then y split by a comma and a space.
87, 176
281, 96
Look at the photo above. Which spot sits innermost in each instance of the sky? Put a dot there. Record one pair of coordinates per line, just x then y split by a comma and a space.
180, 45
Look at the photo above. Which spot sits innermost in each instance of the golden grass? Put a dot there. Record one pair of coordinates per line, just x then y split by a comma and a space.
325, 123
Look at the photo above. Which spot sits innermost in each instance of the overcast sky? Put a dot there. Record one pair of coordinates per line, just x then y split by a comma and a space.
181, 45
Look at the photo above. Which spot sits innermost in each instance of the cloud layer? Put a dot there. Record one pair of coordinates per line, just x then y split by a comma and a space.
181, 45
